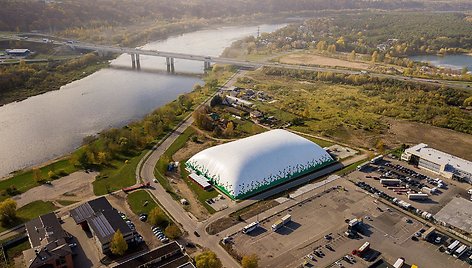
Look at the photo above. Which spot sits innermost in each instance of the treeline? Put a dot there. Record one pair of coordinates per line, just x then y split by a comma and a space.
27, 15
24, 80
392, 35
435, 105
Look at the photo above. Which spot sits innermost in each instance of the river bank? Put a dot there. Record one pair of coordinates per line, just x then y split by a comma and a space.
53, 124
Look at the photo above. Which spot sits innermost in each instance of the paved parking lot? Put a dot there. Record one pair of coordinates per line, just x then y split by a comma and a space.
435, 202
387, 229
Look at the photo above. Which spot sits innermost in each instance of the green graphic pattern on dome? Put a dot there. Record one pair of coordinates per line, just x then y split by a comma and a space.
247, 189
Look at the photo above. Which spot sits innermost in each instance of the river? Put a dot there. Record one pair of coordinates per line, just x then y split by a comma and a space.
53, 124
455, 62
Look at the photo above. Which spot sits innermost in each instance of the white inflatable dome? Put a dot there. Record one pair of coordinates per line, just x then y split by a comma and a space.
247, 166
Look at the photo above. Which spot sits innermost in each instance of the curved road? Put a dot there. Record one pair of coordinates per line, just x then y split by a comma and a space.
176, 211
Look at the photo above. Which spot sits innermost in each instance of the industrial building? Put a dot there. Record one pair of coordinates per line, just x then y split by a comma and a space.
438, 162
102, 220
248, 166
49, 243
457, 213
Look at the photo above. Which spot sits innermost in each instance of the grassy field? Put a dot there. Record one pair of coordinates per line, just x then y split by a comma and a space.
122, 174
136, 201
31, 211
23, 181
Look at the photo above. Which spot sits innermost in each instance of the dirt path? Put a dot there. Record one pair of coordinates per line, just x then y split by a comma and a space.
76, 186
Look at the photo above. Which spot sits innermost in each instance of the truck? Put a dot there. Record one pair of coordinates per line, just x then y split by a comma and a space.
281, 222
376, 159
460, 251
418, 196
427, 190
452, 247
250, 227
399, 263
362, 249
390, 182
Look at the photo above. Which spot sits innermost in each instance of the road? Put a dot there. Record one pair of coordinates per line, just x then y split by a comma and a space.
221, 60
176, 211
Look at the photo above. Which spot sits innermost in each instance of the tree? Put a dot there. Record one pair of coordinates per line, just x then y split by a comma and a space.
332, 48
229, 129
37, 175
468, 101
202, 119
321, 45
250, 261
464, 71
172, 231
7, 212
375, 56
207, 259
216, 100
157, 217
353, 55
52, 175
118, 245
380, 146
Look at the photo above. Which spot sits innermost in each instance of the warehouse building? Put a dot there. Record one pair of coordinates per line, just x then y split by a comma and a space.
438, 162
102, 220
251, 165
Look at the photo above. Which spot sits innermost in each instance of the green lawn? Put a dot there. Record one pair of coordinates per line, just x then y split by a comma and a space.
121, 175
31, 211
320, 142
136, 201
66, 202
23, 180
161, 166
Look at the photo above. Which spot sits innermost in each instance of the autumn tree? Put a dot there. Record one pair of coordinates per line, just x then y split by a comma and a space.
157, 217
202, 119
375, 56
7, 212
37, 175
250, 261
207, 259
321, 46
118, 245
332, 48
229, 130
172, 231
352, 55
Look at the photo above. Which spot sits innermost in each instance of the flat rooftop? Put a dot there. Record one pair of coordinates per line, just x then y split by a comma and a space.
424, 151
148, 259
457, 213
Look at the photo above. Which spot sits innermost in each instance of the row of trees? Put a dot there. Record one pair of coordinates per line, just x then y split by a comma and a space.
208, 259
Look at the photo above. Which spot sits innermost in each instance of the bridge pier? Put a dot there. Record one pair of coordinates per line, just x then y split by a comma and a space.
138, 63
206, 65
170, 64
172, 69
133, 61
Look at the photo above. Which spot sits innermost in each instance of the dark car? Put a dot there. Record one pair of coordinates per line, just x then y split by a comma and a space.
196, 233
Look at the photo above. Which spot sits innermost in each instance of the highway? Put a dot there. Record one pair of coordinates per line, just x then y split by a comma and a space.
222, 60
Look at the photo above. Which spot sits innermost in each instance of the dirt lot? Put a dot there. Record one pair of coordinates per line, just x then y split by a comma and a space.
76, 187
310, 59
388, 232
181, 187
452, 142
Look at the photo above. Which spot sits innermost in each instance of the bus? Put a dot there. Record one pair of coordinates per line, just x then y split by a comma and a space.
460, 251
250, 227
452, 247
